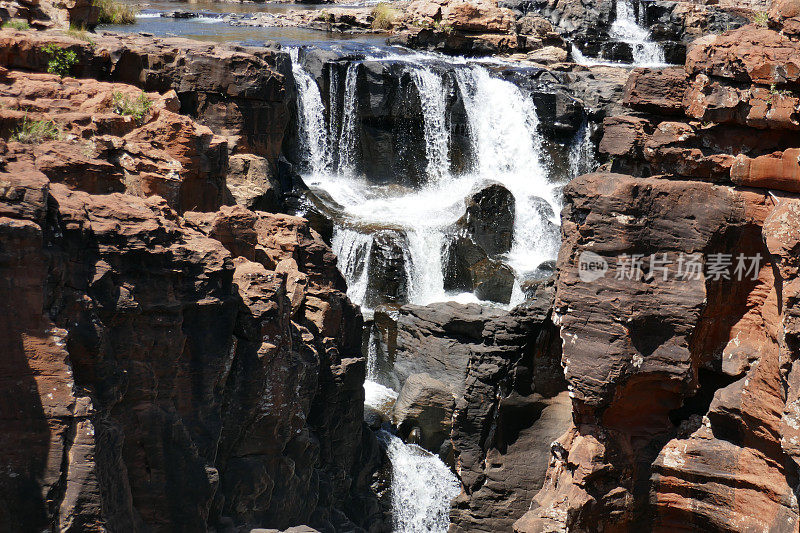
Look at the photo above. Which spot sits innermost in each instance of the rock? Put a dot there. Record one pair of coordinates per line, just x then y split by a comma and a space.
778, 171
49, 14
657, 91
388, 279
238, 92
251, 184
749, 55
176, 435
514, 405
436, 340
425, 405
469, 269
489, 220
548, 55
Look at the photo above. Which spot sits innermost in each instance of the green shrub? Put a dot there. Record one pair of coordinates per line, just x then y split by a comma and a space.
36, 131
114, 12
137, 107
61, 59
17, 24
761, 18
384, 16
80, 33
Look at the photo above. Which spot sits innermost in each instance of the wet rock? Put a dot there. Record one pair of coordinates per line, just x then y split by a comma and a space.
513, 407
388, 279
425, 407
489, 219
470, 269
436, 340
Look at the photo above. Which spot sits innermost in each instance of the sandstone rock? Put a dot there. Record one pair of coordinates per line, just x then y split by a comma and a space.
180, 386
425, 406
749, 54
388, 279
658, 91
250, 183
779, 171
238, 92
49, 14
548, 55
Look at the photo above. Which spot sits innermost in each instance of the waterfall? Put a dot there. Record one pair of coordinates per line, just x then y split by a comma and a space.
506, 145
422, 487
626, 29
353, 249
347, 140
312, 133
437, 134
582, 158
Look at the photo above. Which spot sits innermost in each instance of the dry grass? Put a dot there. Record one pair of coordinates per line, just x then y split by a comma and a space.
113, 12
36, 131
384, 15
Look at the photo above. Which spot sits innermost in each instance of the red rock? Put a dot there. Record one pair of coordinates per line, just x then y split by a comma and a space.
658, 91
778, 171
749, 54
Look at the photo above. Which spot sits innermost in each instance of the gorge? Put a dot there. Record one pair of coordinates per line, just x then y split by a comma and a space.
324, 282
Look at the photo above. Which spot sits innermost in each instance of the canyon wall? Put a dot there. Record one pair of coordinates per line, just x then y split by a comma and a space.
684, 387
172, 363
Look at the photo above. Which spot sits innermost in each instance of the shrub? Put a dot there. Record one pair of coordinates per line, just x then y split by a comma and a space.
79, 32
761, 18
61, 59
127, 105
36, 131
384, 16
114, 12
17, 24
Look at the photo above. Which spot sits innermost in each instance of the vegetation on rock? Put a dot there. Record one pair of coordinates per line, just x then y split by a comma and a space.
36, 131
113, 12
61, 59
136, 107
384, 16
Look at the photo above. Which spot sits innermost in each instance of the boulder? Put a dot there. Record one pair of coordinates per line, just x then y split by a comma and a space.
388, 269
489, 220
469, 268
250, 183
425, 408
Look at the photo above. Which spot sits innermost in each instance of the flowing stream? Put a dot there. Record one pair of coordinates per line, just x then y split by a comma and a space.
626, 29
504, 147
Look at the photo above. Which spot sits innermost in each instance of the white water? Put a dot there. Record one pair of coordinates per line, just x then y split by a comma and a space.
503, 132
626, 29
422, 487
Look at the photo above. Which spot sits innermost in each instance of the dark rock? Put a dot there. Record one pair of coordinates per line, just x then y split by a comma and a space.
489, 220
470, 269
388, 279
425, 405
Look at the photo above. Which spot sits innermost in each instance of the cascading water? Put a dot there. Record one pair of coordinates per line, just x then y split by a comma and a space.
503, 129
626, 29
422, 487
505, 148
311, 119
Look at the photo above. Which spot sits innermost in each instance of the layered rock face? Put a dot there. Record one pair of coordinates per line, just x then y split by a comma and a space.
166, 369
51, 14
684, 386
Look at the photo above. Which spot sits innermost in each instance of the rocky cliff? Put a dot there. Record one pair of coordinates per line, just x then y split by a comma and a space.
166, 369
684, 387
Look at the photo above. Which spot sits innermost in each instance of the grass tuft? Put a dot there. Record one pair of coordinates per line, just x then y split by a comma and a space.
761, 18
80, 33
17, 24
384, 16
114, 12
137, 107
36, 131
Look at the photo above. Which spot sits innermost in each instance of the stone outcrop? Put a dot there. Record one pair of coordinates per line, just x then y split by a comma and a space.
684, 386
51, 14
167, 369
477, 28
239, 92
